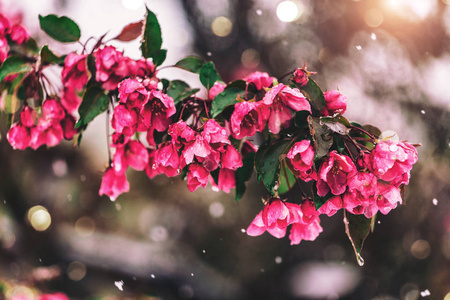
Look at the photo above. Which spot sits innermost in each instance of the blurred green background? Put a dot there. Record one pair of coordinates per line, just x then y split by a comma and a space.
391, 58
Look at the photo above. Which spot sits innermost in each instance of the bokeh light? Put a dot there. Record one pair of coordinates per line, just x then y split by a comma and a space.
39, 218
420, 249
76, 271
85, 226
289, 11
373, 17
411, 10
250, 58
222, 26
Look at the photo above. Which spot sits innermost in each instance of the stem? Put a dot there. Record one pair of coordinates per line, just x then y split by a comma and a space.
206, 109
364, 131
287, 74
301, 190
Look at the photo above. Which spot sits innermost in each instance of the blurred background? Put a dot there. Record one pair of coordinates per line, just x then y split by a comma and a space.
391, 58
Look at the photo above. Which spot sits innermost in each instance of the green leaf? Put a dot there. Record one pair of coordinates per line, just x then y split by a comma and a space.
180, 90
357, 228
239, 84
13, 65
48, 57
372, 130
62, 29
336, 123
270, 164
165, 84
215, 175
314, 94
322, 137
130, 32
259, 156
208, 75
224, 99
191, 63
243, 174
152, 40
160, 57
287, 178
95, 102
318, 200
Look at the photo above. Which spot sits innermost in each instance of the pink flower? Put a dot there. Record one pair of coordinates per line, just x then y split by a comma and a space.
27, 116
52, 111
74, 73
19, 34
248, 118
132, 93
4, 49
392, 161
305, 231
132, 154
56, 296
124, 120
198, 148
334, 173
260, 80
387, 197
151, 170
215, 135
300, 77
19, 136
70, 100
68, 127
332, 205
50, 134
4, 25
156, 112
226, 180
181, 133
230, 158
361, 193
335, 102
216, 89
167, 160
301, 156
275, 217
197, 176
142, 68
113, 184
280, 100
111, 67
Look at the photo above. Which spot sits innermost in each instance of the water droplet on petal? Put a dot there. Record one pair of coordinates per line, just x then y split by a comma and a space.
154, 167
358, 47
393, 148
112, 199
360, 260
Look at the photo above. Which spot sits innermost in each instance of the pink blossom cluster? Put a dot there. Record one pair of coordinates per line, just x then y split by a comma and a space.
370, 188
111, 68
48, 127
277, 215
17, 33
